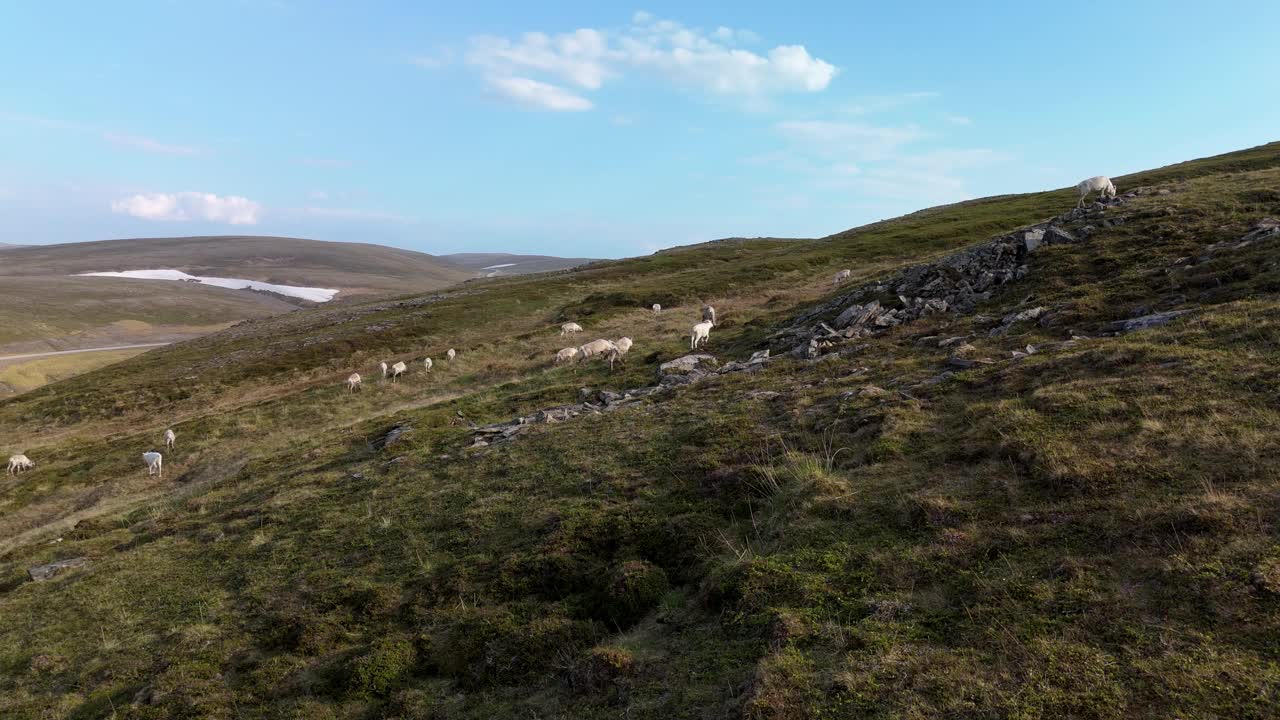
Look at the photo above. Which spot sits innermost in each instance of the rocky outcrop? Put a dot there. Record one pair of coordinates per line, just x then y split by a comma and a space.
687, 369
45, 572
1263, 230
1147, 321
682, 371
392, 436
954, 284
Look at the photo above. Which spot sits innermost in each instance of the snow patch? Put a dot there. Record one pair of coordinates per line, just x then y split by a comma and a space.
495, 267
306, 293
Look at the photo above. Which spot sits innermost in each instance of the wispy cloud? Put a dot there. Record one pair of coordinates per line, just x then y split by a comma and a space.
852, 141
137, 142
875, 104
186, 206
149, 145
958, 119
714, 62
535, 94
891, 163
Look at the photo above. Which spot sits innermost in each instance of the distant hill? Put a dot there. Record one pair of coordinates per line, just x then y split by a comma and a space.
43, 307
9, 246
355, 268
495, 264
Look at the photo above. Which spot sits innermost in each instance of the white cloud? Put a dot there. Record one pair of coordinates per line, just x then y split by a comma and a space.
959, 119
711, 62
577, 58
538, 94
183, 206
148, 145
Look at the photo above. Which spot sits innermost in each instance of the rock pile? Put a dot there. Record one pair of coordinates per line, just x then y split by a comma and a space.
672, 374
45, 572
954, 284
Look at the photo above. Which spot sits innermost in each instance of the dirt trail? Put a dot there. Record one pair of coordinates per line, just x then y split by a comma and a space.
32, 356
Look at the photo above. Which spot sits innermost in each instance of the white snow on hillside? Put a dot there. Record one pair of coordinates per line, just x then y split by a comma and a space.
305, 293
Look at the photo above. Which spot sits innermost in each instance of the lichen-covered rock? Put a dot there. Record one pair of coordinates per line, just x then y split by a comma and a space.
688, 364
1147, 321
45, 572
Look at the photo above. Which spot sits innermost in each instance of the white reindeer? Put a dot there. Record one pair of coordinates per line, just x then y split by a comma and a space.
657, 309
169, 439
709, 314
570, 328
620, 348
842, 276
155, 463
701, 334
427, 364
594, 348
19, 464
1100, 183
566, 355
397, 370
451, 355
383, 367
354, 382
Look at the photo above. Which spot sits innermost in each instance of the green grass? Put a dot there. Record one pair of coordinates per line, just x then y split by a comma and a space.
1088, 532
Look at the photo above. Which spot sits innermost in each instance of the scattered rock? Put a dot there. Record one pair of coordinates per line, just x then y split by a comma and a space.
688, 364
392, 436
762, 395
1016, 317
1146, 321
45, 572
871, 391
1263, 229
687, 369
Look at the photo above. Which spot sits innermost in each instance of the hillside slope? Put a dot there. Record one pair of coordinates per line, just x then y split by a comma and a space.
356, 268
989, 497
43, 308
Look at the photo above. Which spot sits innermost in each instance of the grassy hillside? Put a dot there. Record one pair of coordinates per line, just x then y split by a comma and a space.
1086, 532
43, 308
23, 375
357, 268
486, 264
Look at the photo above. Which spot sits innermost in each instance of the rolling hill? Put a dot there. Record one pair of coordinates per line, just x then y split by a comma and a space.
1023, 464
44, 307
356, 268
500, 264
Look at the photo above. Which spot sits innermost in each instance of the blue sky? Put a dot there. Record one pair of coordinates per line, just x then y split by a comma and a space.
591, 128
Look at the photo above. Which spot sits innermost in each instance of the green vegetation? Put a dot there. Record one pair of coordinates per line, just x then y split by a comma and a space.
1087, 532
22, 375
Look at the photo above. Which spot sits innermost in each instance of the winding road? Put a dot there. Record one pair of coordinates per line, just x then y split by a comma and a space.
81, 350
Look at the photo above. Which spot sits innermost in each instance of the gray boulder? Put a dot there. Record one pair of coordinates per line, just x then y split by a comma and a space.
1147, 321
45, 572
